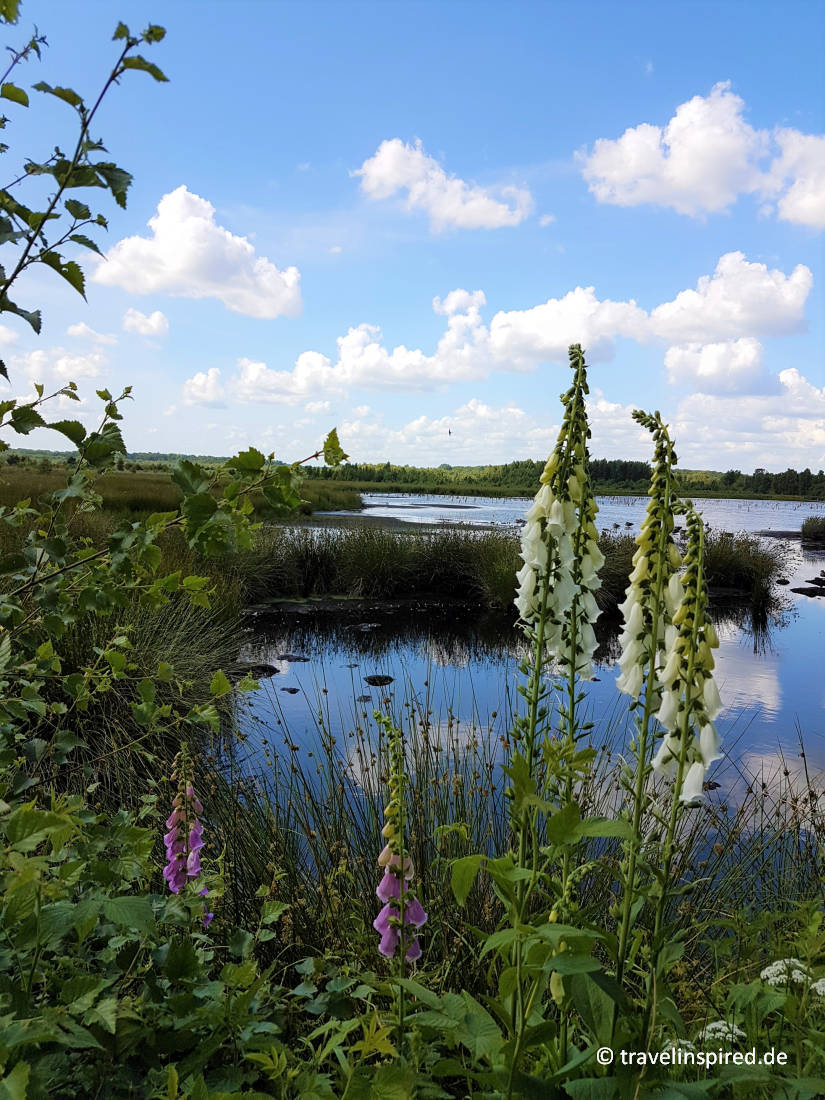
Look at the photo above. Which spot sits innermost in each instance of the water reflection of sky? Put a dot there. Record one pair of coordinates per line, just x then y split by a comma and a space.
465, 674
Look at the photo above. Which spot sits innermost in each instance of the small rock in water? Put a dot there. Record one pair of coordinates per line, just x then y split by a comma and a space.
290, 691
365, 626
783, 580
378, 681
259, 669
363, 698
817, 580
293, 657
809, 591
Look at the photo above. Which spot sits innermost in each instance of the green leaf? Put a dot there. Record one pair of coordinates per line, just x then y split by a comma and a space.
66, 94
14, 1085
463, 875
86, 242
181, 960
145, 66
130, 912
198, 510
117, 180
70, 271
121, 31
101, 446
333, 452
32, 316
9, 10
78, 210
219, 684
190, 478
604, 826
241, 943
25, 418
478, 1031
251, 460
72, 429
15, 94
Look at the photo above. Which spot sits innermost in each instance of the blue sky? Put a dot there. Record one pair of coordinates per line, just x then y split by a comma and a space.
395, 217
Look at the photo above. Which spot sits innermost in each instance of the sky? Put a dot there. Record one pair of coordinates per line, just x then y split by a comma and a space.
395, 217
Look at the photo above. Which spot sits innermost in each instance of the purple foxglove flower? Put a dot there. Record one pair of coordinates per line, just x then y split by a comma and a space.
170, 837
414, 912
390, 886
193, 864
197, 805
196, 837
174, 818
387, 932
414, 950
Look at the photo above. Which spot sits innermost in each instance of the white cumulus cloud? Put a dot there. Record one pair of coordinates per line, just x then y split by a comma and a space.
740, 298
83, 332
727, 366
711, 332
189, 255
797, 175
204, 388
153, 324
705, 157
449, 201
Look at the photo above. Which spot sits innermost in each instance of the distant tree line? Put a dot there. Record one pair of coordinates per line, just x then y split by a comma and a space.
615, 475
609, 475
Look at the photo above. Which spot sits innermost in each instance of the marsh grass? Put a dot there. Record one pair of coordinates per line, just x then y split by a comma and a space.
813, 529
140, 492
305, 818
463, 561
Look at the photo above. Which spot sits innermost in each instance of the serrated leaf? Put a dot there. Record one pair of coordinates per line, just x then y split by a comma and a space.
219, 685
333, 451
251, 460
72, 429
78, 210
86, 242
25, 418
130, 911
68, 95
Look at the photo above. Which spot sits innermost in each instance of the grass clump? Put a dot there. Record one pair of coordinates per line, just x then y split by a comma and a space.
813, 529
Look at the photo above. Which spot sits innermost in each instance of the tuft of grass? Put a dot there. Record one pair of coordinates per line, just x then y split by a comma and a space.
813, 529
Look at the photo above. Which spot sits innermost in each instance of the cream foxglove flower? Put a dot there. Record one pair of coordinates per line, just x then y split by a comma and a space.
654, 588
559, 544
690, 699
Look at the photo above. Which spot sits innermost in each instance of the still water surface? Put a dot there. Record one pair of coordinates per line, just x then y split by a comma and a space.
771, 676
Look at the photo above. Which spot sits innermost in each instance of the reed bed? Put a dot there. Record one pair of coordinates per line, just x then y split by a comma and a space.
302, 814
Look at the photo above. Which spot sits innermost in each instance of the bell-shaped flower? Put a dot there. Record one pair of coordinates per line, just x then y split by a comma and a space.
691, 792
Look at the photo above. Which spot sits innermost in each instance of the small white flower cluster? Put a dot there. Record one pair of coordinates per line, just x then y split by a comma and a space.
719, 1031
784, 971
678, 1044
559, 544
